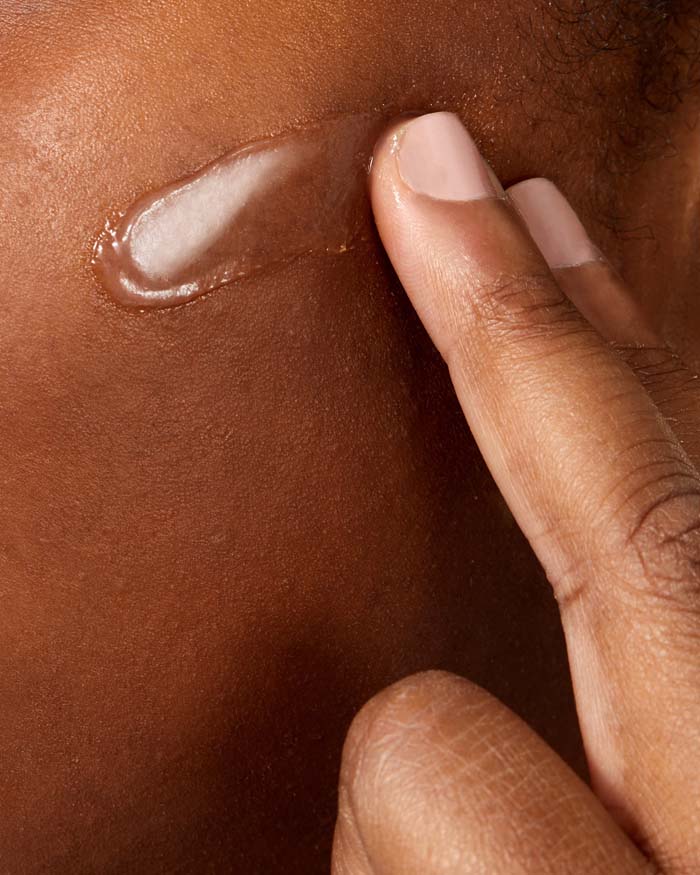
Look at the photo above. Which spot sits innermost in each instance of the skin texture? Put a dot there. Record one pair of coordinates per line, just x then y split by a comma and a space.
225, 526
589, 424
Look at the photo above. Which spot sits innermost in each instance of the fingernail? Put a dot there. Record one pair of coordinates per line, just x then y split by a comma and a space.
553, 224
438, 158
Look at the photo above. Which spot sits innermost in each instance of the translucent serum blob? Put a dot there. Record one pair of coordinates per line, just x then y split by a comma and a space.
251, 210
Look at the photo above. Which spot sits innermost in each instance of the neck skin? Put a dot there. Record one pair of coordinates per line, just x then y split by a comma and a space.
226, 525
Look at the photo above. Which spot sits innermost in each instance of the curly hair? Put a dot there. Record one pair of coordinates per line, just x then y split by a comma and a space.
663, 36
667, 36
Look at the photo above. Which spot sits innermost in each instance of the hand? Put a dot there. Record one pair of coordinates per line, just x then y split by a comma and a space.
591, 429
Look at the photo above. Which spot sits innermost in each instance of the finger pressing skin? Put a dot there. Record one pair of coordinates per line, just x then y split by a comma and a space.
591, 469
439, 777
600, 294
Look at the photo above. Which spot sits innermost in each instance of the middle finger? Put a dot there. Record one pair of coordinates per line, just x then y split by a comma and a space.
592, 471
601, 295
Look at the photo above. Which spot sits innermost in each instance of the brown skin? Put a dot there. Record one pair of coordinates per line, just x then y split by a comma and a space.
589, 424
225, 526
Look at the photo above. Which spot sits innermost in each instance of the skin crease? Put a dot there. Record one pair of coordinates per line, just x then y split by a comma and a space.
225, 526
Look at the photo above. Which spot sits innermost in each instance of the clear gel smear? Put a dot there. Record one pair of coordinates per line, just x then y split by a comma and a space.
251, 210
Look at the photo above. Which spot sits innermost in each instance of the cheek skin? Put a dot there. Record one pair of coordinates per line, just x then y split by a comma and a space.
227, 524
251, 211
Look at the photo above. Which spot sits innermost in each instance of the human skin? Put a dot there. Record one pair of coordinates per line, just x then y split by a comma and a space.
225, 526
589, 424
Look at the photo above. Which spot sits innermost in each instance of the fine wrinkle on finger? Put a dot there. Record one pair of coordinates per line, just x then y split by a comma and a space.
349, 852
450, 781
511, 338
581, 451
674, 388
643, 558
652, 526
525, 314
475, 280
661, 371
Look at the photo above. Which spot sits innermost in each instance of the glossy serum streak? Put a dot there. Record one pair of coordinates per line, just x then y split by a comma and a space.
251, 210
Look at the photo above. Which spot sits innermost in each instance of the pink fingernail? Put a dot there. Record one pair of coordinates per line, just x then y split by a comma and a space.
438, 158
553, 224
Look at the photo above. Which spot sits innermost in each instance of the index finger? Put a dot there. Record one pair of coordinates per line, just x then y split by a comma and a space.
591, 470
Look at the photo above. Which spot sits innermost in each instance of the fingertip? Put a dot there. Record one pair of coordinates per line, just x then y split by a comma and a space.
391, 730
440, 775
582, 271
443, 218
387, 742
553, 223
434, 155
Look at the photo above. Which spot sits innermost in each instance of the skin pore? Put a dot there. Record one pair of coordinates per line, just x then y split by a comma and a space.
228, 524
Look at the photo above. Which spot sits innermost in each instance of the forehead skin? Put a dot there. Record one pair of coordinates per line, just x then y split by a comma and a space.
226, 525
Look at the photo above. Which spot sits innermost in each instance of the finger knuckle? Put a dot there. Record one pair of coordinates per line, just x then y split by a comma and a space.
644, 550
392, 725
660, 555
527, 305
